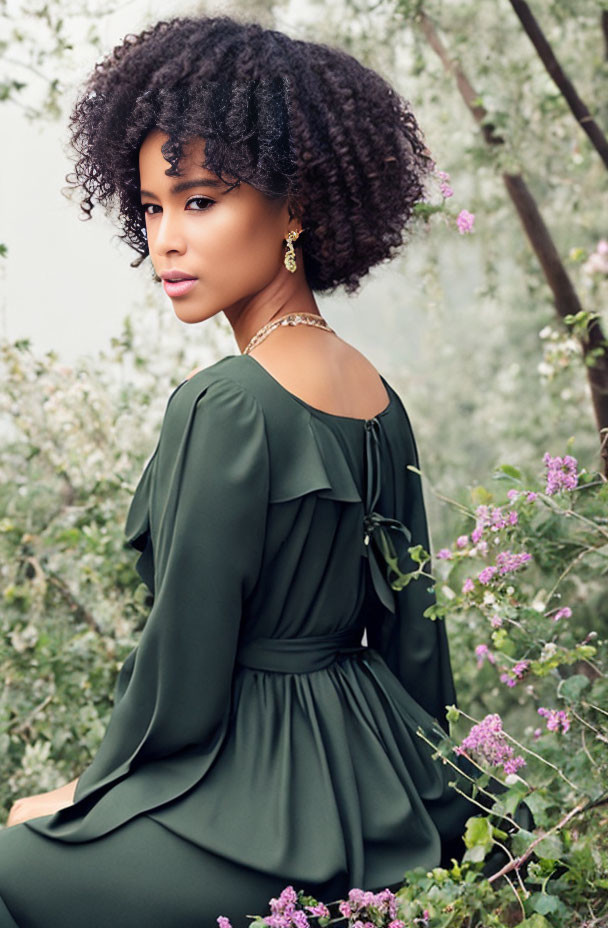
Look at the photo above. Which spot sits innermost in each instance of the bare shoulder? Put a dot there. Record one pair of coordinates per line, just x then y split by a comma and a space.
325, 371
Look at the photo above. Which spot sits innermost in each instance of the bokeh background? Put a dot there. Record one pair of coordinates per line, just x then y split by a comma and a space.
494, 337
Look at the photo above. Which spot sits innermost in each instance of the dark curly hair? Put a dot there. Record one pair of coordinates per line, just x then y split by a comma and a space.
292, 118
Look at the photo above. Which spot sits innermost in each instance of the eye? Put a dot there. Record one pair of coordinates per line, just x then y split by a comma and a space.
201, 200
206, 200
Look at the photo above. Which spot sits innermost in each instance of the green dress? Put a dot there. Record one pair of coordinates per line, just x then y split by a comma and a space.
264, 728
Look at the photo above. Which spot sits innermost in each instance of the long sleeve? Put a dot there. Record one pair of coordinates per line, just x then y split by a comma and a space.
208, 497
413, 646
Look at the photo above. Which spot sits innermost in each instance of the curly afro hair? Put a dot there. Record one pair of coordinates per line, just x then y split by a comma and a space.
294, 119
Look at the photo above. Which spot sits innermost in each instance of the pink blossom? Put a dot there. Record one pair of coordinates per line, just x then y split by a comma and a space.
320, 910
518, 670
468, 585
444, 553
531, 496
462, 541
507, 561
561, 473
476, 534
512, 517
485, 575
496, 621
488, 741
512, 494
482, 651
564, 613
555, 717
223, 922
464, 221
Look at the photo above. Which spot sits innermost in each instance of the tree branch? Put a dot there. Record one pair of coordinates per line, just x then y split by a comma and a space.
564, 295
561, 79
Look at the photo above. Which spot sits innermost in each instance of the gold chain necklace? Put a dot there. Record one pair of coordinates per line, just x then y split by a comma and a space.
289, 319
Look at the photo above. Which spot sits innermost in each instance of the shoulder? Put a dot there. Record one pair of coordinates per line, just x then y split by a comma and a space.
236, 380
212, 401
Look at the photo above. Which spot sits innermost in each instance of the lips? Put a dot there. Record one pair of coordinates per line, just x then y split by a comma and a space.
174, 274
179, 287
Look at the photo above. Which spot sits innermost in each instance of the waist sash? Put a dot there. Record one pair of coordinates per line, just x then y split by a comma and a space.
300, 655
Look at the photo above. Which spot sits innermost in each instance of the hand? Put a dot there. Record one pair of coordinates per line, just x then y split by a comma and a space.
41, 804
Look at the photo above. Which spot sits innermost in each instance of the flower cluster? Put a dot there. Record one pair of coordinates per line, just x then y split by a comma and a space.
464, 219
515, 674
555, 718
561, 473
363, 909
367, 909
487, 741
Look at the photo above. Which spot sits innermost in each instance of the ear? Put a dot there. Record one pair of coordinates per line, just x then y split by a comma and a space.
294, 209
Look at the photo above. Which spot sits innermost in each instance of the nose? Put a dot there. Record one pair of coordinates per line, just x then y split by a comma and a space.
167, 233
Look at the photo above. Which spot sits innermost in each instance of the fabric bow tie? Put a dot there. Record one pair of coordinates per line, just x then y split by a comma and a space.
377, 527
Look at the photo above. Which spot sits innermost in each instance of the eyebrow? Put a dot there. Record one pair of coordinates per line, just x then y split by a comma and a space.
187, 185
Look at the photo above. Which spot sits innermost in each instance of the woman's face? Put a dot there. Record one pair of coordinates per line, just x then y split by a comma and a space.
231, 242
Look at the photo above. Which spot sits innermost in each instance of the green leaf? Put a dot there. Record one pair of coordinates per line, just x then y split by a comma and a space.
510, 471
573, 686
478, 833
544, 903
535, 921
551, 846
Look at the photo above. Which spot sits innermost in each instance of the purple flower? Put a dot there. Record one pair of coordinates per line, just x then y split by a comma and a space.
512, 494
462, 541
444, 553
224, 922
496, 621
555, 717
464, 221
507, 561
485, 575
482, 651
518, 669
561, 473
531, 496
320, 910
468, 585
564, 613
476, 534
487, 740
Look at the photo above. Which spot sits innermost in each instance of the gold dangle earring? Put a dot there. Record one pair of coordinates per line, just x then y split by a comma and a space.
290, 255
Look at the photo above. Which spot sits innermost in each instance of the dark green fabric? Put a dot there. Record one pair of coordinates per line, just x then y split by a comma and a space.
252, 719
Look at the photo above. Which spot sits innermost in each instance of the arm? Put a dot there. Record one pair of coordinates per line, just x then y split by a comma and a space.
208, 502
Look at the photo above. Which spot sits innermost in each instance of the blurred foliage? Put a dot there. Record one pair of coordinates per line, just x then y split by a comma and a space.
489, 374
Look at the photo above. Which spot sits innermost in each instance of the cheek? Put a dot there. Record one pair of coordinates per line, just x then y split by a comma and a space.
250, 246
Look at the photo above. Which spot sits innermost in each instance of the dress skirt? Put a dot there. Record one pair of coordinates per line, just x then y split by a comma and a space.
139, 874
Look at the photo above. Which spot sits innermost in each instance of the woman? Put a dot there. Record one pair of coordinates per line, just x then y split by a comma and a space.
255, 740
